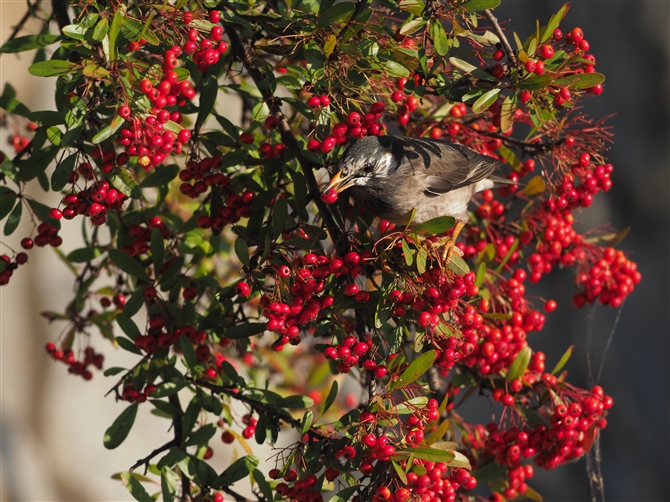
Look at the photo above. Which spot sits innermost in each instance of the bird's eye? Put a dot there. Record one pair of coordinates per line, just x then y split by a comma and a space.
368, 167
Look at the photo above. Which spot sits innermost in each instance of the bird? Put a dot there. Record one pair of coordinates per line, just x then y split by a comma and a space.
401, 178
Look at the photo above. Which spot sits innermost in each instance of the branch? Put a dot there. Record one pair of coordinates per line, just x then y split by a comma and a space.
502, 37
257, 405
287, 136
148, 458
178, 424
60, 13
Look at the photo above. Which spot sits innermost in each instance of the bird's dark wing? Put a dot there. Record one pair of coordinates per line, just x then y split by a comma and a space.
446, 166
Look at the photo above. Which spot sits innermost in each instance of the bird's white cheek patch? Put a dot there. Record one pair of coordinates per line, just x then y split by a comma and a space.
482, 185
386, 166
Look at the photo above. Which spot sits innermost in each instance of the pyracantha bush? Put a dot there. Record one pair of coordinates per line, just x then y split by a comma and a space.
261, 291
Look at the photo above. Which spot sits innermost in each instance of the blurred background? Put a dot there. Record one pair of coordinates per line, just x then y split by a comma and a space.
52, 424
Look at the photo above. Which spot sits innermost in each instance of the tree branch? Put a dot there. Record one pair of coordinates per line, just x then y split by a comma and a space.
60, 13
178, 425
503, 39
148, 458
287, 136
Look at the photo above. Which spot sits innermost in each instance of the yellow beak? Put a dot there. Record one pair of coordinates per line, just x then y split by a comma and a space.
338, 183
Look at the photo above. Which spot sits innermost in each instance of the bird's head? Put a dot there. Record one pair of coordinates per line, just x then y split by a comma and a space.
366, 159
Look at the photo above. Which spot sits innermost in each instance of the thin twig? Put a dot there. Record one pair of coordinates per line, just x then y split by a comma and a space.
178, 426
148, 458
502, 37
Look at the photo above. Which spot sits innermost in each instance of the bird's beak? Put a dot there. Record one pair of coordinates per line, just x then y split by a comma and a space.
338, 183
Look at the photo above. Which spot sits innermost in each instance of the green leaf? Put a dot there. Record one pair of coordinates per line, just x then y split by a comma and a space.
519, 365
581, 81
202, 435
14, 219
480, 5
306, 421
481, 275
507, 112
188, 351
401, 474
439, 37
37, 163
135, 487
334, 14
395, 69
84, 255
100, 31
296, 402
29, 42
263, 484
415, 370
162, 176
108, 132
410, 406
412, 25
169, 480
95, 71
127, 345
534, 83
118, 431
458, 265
279, 217
435, 226
329, 46
407, 252
244, 330
53, 68
114, 30
128, 264
344, 495
421, 258
242, 251
239, 469
563, 360
128, 326
472, 70
430, 454
166, 389
113, 371
330, 399
486, 100
210, 88
7, 200
509, 254
553, 23
61, 174
13, 105
42, 212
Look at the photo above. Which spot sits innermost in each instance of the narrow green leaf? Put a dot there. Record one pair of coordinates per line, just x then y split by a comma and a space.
554, 22
334, 14
244, 330
100, 31
279, 217
507, 112
157, 248
61, 174
188, 351
534, 83
7, 200
29, 42
401, 474
563, 360
202, 435
52, 68
13, 105
306, 421
439, 37
118, 431
458, 265
407, 252
344, 495
128, 326
14, 219
135, 487
162, 176
37, 163
415, 370
581, 81
114, 30
128, 264
95, 71
481, 275
242, 251
509, 254
435, 226
263, 484
430, 454
113, 371
421, 258
480, 5
410, 406
166, 389
519, 365
412, 25
84, 255
108, 132
127, 345
210, 88
296, 402
169, 480
239, 469
330, 399
486, 100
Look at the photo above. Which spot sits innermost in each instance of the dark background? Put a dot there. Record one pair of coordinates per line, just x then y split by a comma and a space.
630, 42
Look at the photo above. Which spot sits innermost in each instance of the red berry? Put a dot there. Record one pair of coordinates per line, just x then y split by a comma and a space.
547, 51
247, 138
242, 289
314, 102
272, 122
329, 196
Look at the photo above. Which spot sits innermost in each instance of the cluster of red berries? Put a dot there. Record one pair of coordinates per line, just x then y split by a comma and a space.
8, 266
302, 490
141, 239
354, 126
430, 481
133, 395
46, 234
610, 280
207, 51
234, 207
18, 141
93, 202
80, 368
350, 352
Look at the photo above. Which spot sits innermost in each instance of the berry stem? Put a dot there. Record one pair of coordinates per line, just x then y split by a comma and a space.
502, 37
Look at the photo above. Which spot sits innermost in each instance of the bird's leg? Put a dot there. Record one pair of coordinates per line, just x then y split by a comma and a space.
448, 248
